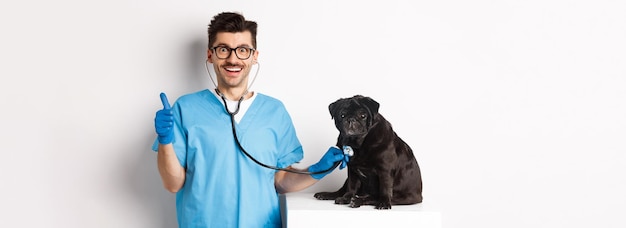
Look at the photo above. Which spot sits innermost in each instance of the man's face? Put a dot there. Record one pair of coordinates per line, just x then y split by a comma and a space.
232, 72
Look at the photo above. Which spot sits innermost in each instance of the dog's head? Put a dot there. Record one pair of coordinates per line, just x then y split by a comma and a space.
354, 116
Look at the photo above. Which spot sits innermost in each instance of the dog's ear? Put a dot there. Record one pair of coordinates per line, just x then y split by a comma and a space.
371, 104
332, 108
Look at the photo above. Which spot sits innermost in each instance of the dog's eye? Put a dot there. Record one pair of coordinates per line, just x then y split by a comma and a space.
343, 116
363, 116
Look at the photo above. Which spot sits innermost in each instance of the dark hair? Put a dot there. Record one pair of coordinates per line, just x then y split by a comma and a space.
230, 22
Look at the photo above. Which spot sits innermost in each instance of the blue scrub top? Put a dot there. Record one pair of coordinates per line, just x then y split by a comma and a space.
223, 187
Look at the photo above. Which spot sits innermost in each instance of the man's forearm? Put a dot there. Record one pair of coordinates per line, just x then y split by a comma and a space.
292, 182
172, 173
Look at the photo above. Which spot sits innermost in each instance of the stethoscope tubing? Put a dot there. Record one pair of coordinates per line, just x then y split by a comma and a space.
232, 121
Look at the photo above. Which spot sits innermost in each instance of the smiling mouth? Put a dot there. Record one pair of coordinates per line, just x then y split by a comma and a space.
233, 68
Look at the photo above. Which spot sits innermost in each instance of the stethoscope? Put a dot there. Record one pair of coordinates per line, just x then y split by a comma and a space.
347, 150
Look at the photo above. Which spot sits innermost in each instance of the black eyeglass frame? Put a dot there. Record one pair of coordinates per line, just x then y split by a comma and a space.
230, 52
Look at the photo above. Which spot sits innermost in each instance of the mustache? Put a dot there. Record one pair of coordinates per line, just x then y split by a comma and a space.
232, 65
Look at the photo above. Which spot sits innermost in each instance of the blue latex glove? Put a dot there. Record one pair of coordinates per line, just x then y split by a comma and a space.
331, 156
164, 122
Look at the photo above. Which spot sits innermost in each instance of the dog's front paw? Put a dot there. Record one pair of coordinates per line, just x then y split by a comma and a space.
383, 206
324, 196
356, 202
342, 200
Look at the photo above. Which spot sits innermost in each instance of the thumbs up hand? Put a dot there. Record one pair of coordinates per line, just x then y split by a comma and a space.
164, 122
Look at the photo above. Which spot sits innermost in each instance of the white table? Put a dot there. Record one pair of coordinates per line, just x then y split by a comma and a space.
303, 210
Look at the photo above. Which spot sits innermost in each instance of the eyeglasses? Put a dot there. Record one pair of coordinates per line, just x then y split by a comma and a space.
223, 52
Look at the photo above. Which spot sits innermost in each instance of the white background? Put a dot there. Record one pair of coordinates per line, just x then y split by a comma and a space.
515, 109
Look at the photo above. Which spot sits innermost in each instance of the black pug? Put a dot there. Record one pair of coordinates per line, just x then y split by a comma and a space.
383, 170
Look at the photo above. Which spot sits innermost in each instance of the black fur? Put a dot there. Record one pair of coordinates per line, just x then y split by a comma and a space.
383, 170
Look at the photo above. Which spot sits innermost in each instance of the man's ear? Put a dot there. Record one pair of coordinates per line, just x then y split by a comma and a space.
255, 57
209, 55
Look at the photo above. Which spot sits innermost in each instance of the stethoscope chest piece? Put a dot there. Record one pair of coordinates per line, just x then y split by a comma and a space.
347, 150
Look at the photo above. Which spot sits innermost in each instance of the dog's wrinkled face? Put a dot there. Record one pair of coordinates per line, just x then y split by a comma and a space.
354, 116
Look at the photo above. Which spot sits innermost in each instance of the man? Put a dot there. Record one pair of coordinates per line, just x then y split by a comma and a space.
216, 185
